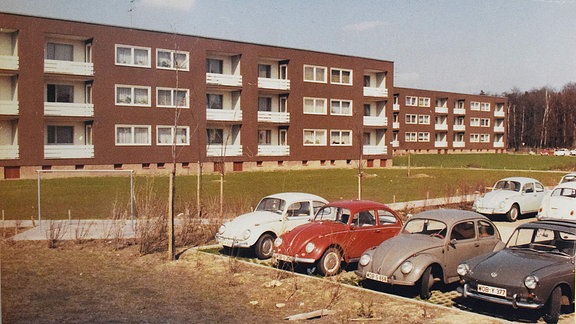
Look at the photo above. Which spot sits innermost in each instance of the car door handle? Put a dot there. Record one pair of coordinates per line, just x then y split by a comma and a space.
477, 245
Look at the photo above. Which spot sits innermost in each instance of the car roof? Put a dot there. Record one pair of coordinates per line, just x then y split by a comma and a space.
569, 184
357, 204
553, 224
568, 175
294, 196
519, 179
449, 216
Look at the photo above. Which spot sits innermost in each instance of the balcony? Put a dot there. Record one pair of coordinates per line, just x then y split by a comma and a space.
273, 150
9, 62
68, 67
375, 92
441, 110
223, 80
498, 144
9, 152
274, 84
8, 107
459, 111
459, 144
68, 151
499, 113
459, 128
396, 107
440, 144
441, 127
395, 143
498, 129
396, 125
374, 150
224, 115
223, 150
69, 109
375, 121
273, 117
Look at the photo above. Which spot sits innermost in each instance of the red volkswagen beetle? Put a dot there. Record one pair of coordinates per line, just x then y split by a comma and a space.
339, 232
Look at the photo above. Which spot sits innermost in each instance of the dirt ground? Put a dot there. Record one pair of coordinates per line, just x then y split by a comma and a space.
97, 283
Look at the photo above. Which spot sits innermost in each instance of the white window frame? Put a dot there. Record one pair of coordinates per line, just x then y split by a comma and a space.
171, 139
337, 136
315, 69
411, 137
132, 95
423, 137
132, 56
173, 92
173, 63
339, 107
424, 119
484, 138
411, 119
132, 135
424, 101
475, 105
474, 138
475, 122
318, 106
484, 122
485, 106
340, 76
411, 101
319, 137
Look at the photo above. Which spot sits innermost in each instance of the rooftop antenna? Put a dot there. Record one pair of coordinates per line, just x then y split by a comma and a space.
131, 10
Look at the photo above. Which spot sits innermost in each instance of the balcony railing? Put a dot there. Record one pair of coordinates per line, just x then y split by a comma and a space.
440, 144
224, 79
441, 127
70, 109
9, 152
441, 110
375, 121
459, 111
273, 150
395, 143
459, 128
498, 129
68, 67
374, 150
499, 144
9, 62
499, 113
396, 107
273, 84
224, 114
223, 150
459, 144
8, 107
273, 117
375, 92
68, 151
396, 125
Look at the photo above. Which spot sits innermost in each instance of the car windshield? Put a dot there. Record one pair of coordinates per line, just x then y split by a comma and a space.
333, 213
507, 185
430, 227
543, 241
275, 205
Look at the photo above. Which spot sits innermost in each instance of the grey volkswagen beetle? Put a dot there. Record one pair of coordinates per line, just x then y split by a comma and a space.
429, 248
534, 271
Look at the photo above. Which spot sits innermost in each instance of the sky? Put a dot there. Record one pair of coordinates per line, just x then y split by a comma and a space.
464, 46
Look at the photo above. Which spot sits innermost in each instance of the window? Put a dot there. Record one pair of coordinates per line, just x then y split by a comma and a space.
133, 135
215, 136
214, 101
474, 105
172, 60
424, 119
314, 73
459, 104
485, 229
264, 71
341, 107
485, 106
264, 104
282, 103
423, 137
386, 217
366, 138
484, 138
214, 66
60, 52
132, 95
474, 138
165, 135
60, 135
463, 231
411, 101
166, 97
264, 137
341, 76
459, 121
132, 56
367, 80
315, 106
411, 137
314, 137
341, 138
485, 122
474, 121
424, 102
367, 110
59, 93
411, 119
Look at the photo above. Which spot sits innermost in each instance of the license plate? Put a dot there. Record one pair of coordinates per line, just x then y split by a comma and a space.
492, 290
376, 276
285, 258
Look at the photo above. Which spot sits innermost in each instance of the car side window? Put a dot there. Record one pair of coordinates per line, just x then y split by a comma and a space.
299, 209
463, 231
485, 229
364, 218
539, 187
386, 217
316, 205
528, 188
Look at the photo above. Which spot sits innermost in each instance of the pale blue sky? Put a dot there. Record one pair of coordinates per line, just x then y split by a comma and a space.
450, 45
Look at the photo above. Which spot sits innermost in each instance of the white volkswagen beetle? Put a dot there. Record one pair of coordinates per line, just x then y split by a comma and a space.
560, 203
513, 196
273, 216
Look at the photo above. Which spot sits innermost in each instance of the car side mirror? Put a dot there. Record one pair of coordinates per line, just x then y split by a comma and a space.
453, 242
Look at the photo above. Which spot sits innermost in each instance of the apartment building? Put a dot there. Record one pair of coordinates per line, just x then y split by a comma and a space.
81, 96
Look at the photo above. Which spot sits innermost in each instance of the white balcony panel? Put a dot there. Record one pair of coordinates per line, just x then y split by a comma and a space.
440, 144
9, 62
224, 114
499, 113
8, 107
71, 109
395, 125
375, 121
395, 143
396, 107
68, 151
274, 84
68, 67
273, 150
375, 92
223, 150
459, 144
498, 129
459, 111
224, 79
374, 149
459, 128
443, 127
8, 152
498, 144
273, 117
441, 110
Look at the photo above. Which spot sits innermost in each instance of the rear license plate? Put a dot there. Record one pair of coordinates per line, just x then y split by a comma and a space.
285, 258
376, 276
492, 290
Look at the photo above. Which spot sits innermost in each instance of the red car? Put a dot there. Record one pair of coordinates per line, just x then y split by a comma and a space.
339, 232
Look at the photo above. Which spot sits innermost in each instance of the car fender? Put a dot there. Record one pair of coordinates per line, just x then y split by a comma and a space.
420, 262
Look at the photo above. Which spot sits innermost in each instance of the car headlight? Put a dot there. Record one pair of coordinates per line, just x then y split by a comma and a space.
309, 247
222, 229
407, 267
246, 234
531, 282
278, 242
463, 269
365, 259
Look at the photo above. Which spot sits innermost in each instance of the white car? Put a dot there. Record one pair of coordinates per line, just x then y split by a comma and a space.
512, 197
560, 203
273, 216
568, 177
562, 152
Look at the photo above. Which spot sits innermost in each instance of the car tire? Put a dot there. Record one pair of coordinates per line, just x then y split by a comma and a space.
329, 263
554, 306
264, 247
513, 213
426, 283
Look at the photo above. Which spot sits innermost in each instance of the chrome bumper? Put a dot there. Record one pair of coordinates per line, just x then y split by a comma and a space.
514, 302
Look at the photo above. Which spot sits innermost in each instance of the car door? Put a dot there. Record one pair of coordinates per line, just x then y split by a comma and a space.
463, 244
530, 198
367, 231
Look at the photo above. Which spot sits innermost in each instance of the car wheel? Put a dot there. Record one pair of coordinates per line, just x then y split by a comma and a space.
512, 214
264, 246
554, 306
329, 263
426, 283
